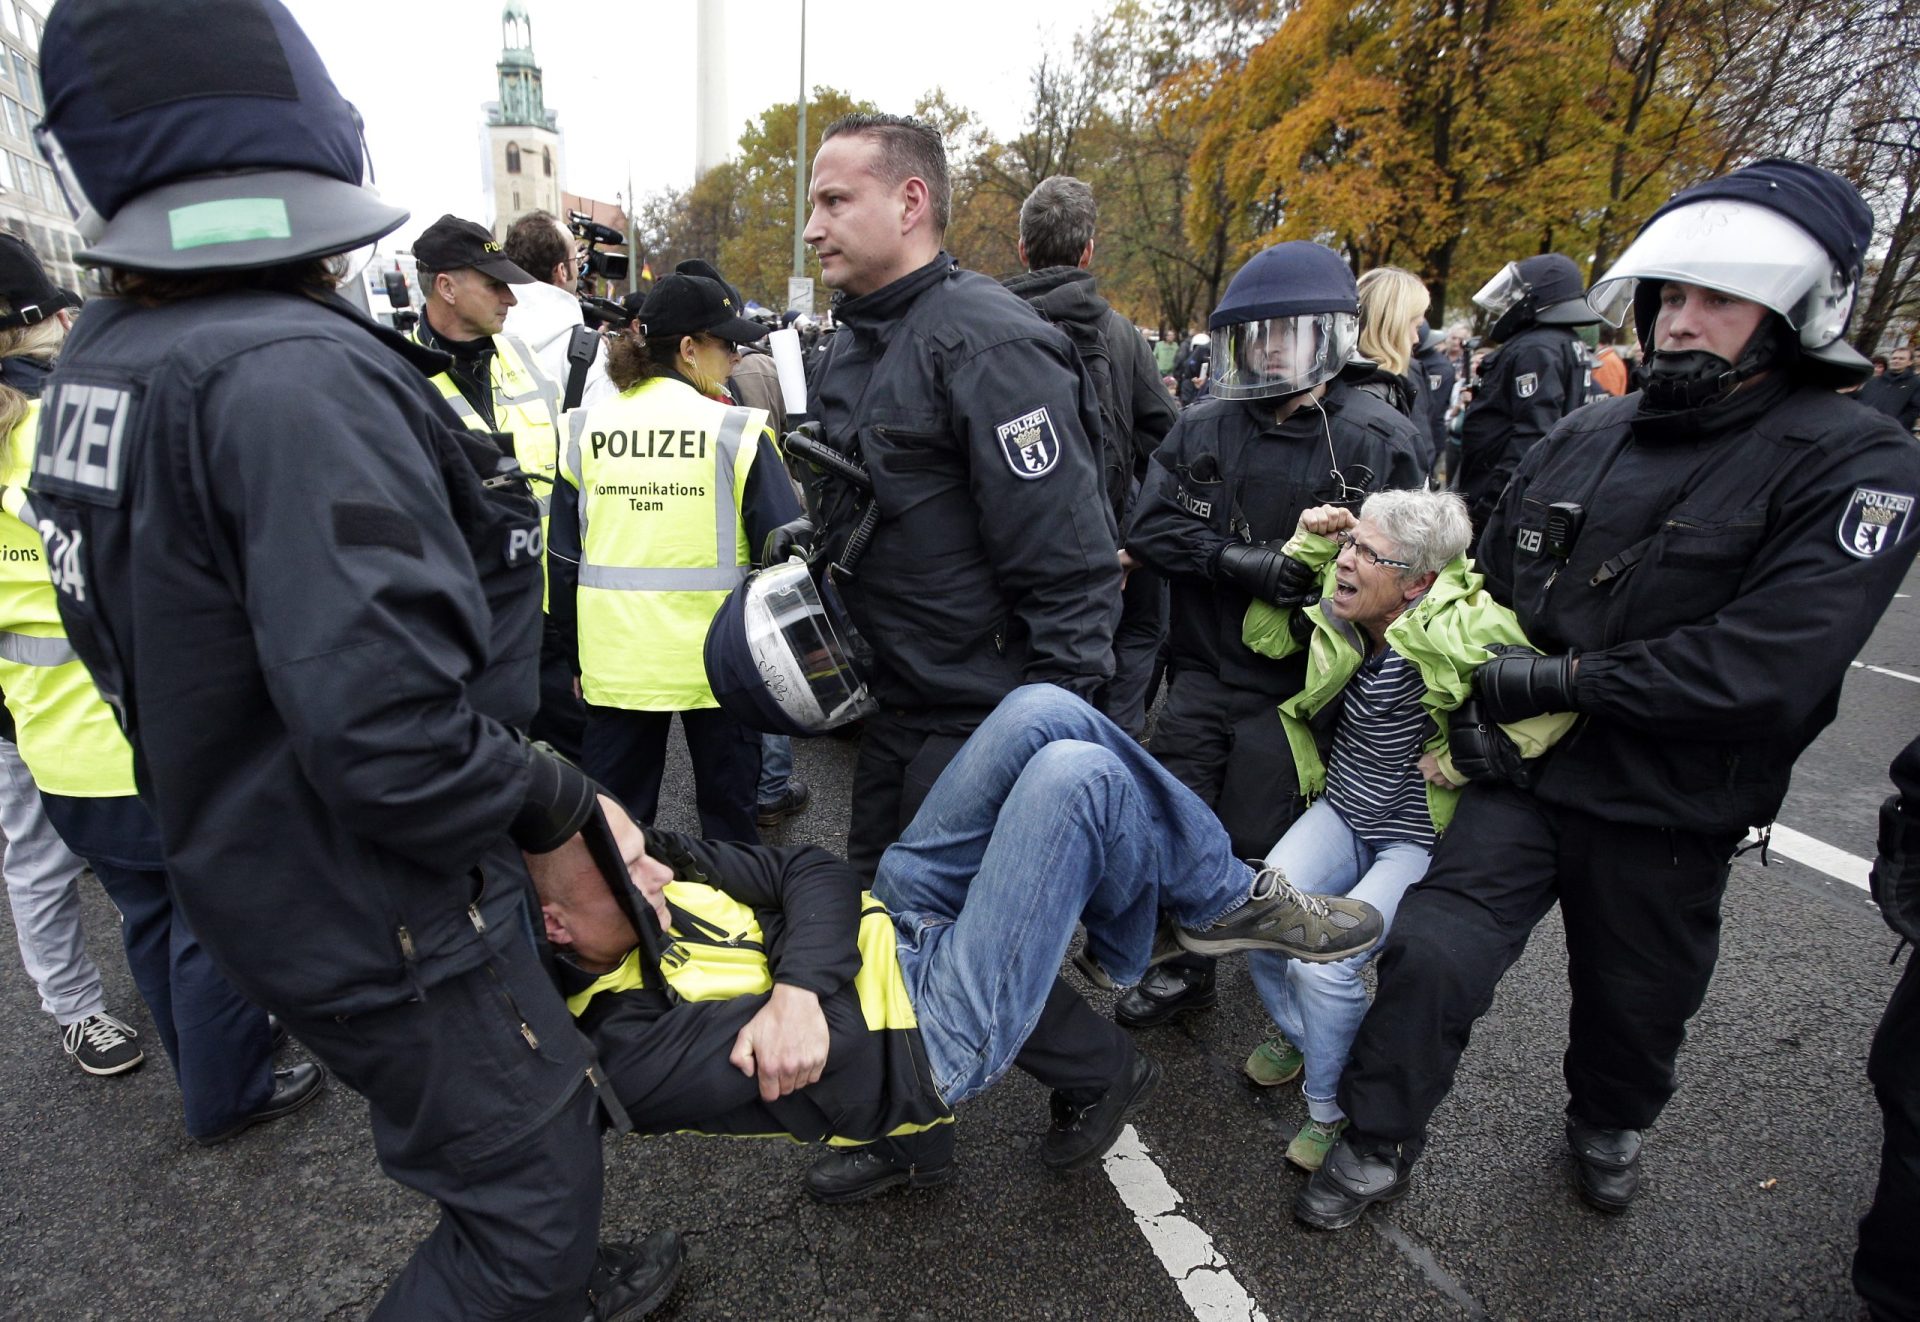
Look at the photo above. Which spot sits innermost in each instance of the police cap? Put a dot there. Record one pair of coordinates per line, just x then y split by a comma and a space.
451, 244
29, 296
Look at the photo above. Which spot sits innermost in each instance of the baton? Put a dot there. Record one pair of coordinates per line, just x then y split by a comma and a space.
646, 926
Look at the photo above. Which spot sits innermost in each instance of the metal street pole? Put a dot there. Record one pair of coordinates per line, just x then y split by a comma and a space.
800, 158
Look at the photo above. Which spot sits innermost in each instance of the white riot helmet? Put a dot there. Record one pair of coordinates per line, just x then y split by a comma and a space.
777, 661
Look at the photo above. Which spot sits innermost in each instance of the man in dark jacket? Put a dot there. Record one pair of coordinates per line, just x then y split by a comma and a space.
979, 554
1136, 412
1536, 377
1283, 433
313, 599
1896, 391
1700, 561
1435, 369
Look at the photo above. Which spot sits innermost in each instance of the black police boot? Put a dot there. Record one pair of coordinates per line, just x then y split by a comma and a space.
1085, 1129
629, 1281
1606, 1164
852, 1175
1168, 991
293, 1088
1348, 1183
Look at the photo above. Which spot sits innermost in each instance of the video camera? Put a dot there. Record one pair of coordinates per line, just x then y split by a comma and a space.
613, 266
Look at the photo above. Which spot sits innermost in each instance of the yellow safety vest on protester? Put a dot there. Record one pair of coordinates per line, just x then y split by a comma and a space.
660, 471
66, 733
525, 404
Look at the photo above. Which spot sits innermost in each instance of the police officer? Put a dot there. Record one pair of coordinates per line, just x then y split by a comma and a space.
983, 556
1699, 560
279, 556
1435, 369
1536, 377
495, 383
666, 490
1282, 433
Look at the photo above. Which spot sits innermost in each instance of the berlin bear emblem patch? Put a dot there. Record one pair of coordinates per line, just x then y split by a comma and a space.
1030, 444
1526, 383
1873, 521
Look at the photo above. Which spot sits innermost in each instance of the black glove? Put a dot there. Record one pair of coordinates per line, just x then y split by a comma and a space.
1300, 622
1519, 683
1481, 750
559, 800
1895, 879
792, 538
1264, 573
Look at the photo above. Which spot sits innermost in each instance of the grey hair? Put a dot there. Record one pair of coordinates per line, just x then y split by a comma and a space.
1056, 222
1428, 529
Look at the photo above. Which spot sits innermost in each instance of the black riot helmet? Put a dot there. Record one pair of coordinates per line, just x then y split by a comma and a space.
1535, 291
201, 135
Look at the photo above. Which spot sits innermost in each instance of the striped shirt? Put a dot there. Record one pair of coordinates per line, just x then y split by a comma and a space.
1373, 775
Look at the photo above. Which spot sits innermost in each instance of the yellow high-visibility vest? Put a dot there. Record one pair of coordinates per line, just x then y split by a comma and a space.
66, 733
527, 405
660, 470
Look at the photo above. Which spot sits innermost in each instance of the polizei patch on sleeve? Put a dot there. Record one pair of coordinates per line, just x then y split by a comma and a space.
1526, 383
1031, 445
1874, 520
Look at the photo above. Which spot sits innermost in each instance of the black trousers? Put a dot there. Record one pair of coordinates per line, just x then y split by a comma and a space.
1641, 906
496, 1125
626, 751
901, 755
1227, 745
562, 717
1137, 641
1886, 1268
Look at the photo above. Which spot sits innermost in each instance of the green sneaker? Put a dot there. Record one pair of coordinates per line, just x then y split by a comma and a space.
1274, 1062
1309, 1147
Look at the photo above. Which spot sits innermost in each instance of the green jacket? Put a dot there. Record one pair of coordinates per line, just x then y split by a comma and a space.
1445, 634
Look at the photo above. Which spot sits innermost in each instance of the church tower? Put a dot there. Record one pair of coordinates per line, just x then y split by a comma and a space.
523, 137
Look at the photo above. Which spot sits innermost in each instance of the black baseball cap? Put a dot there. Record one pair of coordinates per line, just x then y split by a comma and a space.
451, 243
29, 295
691, 304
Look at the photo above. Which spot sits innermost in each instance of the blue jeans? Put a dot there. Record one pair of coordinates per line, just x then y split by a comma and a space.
776, 767
1319, 1006
1050, 815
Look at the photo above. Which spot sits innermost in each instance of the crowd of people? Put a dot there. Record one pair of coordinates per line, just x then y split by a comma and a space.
346, 660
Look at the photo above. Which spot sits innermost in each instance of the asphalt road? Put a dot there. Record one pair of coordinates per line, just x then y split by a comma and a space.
1754, 1177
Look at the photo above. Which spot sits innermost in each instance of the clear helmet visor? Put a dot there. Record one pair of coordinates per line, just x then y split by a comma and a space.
86, 219
1737, 248
798, 653
1278, 356
1504, 292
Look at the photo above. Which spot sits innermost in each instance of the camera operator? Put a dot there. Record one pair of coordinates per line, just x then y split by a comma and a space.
548, 312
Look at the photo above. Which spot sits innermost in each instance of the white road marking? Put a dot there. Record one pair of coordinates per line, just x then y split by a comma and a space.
1819, 855
1882, 670
1184, 1249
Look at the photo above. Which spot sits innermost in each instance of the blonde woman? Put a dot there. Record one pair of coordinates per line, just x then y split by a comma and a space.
1392, 303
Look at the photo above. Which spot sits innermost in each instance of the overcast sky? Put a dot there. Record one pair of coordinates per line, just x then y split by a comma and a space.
419, 70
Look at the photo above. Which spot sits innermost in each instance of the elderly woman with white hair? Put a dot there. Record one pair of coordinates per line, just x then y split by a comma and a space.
1399, 624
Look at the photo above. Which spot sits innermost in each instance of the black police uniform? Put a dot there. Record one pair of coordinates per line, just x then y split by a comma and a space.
1140, 413
993, 562
1886, 1271
275, 554
1896, 394
1526, 386
1435, 371
1724, 567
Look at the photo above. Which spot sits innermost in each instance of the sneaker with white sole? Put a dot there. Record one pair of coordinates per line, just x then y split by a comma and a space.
1274, 1062
101, 1044
1278, 915
1316, 1138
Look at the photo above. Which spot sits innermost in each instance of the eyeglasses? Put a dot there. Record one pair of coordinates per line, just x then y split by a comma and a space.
1367, 553
731, 348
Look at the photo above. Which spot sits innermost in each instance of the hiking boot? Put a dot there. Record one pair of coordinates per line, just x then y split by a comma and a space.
629, 1281
1274, 1062
1167, 992
1606, 1165
852, 1175
1347, 1184
1310, 1146
791, 803
101, 1044
1166, 945
1084, 1132
1279, 916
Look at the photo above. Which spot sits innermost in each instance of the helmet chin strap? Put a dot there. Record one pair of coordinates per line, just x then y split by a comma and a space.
1682, 379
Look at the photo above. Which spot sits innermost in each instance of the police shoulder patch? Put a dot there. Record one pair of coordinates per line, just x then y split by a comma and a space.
1873, 521
1526, 383
1030, 444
